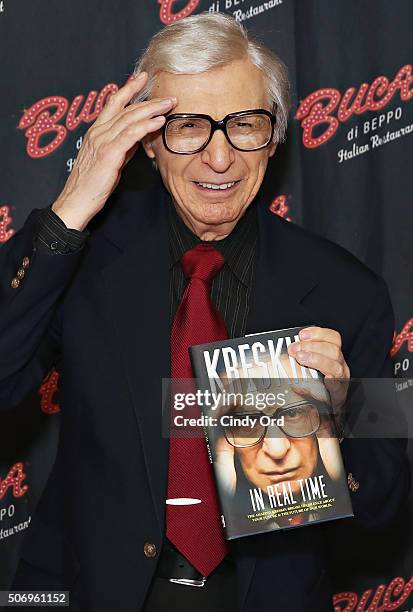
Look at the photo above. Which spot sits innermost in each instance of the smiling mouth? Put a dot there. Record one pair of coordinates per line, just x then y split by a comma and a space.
217, 187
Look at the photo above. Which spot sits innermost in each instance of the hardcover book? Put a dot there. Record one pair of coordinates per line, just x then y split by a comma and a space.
271, 435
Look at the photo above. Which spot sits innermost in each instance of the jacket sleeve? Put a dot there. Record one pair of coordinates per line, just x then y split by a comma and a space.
32, 284
54, 237
376, 455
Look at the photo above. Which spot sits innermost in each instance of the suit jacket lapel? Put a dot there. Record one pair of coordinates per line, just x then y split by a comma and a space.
282, 281
136, 292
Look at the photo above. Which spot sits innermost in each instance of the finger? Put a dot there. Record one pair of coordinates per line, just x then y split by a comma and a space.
140, 113
138, 106
135, 133
324, 334
113, 152
345, 376
312, 346
324, 364
132, 107
118, 101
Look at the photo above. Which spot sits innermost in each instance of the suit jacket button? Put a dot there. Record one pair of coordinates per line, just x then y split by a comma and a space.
20, 272
25, 262
149, 549
15, 282
53, 246
353, 484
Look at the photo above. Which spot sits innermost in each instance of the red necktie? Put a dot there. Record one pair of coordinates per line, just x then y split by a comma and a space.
196, 529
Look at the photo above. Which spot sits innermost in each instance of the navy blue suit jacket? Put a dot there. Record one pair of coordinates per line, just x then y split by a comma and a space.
109, 334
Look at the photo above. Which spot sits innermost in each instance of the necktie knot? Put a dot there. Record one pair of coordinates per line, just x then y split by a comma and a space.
203, 262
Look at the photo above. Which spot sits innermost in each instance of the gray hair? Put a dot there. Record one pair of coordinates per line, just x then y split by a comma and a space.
207, 40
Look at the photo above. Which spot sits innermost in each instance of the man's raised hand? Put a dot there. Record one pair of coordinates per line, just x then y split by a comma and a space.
107, 147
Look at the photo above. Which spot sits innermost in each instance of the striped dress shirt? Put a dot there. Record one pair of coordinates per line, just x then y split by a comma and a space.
231, 287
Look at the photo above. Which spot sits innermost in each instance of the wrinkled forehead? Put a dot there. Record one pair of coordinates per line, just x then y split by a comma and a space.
233, 87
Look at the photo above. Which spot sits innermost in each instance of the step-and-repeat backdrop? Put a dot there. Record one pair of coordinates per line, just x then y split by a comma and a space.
345, 173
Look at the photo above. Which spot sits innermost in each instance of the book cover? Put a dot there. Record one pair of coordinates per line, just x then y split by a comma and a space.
271, 435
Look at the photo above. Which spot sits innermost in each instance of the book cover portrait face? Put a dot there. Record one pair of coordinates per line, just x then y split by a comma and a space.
277, 457
284, 452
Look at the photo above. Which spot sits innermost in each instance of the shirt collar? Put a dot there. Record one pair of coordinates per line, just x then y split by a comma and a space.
236, 248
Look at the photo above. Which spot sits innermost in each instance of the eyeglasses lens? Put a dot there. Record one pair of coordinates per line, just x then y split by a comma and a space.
299, 421
247, 132
187, 135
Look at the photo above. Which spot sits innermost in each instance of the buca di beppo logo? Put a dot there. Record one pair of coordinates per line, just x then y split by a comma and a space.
385, 598
322, 111
6, 232
403, 340
167, 16
279, 207
47, 390
405, 336
40, 123
14, 480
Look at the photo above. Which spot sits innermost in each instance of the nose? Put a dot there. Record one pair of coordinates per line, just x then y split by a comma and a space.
218, 154
276, 444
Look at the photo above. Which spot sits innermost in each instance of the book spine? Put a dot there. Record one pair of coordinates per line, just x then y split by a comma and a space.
202, 381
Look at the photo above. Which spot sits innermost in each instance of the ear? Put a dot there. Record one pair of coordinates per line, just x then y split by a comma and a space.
147, 143
272, 149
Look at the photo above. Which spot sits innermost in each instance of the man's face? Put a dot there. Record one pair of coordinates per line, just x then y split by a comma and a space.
233, 87
277, 459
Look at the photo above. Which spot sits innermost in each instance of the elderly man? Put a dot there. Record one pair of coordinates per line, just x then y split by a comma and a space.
113, 298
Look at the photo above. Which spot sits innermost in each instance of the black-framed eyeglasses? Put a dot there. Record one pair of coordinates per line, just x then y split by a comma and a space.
301, 419
248, 130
